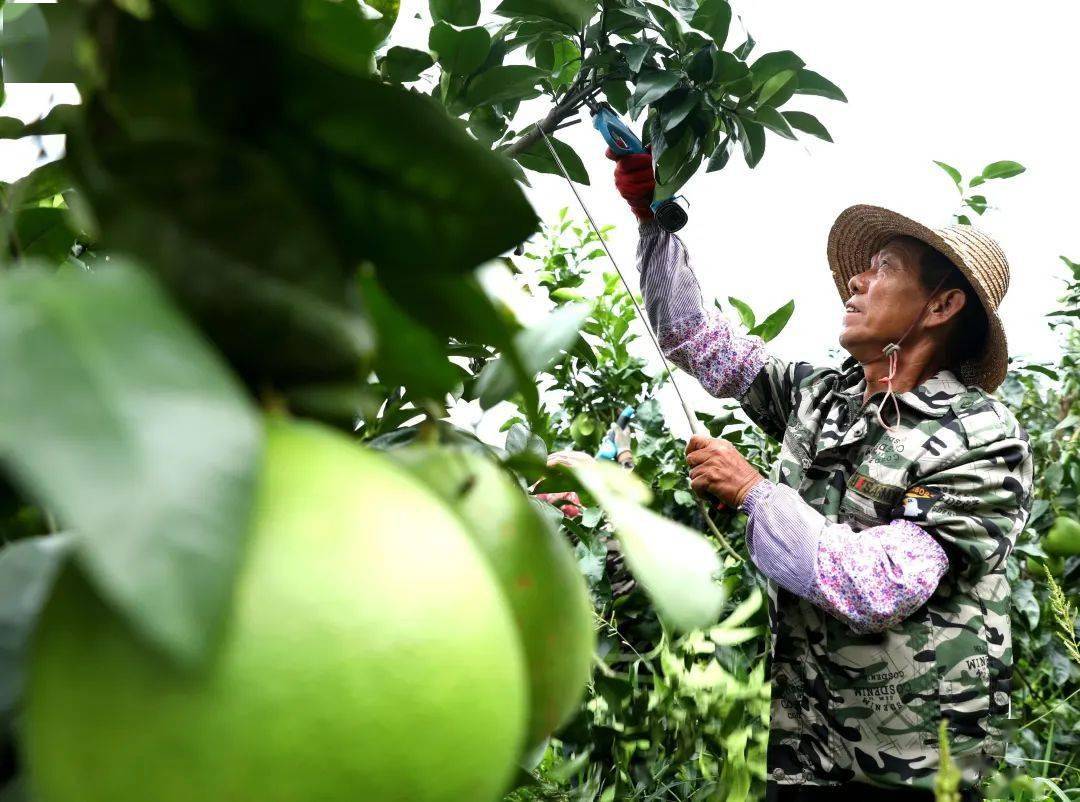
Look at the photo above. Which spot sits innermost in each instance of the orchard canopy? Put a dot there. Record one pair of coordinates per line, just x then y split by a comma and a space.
245, 553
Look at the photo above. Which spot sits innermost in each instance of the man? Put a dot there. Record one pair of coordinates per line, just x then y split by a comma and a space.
899, 492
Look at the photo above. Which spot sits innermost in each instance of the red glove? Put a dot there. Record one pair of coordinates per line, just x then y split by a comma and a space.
635, 182
568, 502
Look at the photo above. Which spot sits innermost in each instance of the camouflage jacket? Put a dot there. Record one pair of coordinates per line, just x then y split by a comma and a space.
865, 707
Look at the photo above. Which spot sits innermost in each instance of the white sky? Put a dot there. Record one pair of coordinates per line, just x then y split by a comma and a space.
965, 81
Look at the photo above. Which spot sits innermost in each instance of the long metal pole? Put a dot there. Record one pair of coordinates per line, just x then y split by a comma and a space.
695, 425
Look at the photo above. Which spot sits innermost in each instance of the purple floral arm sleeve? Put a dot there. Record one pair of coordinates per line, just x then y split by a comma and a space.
870, 579
699, 341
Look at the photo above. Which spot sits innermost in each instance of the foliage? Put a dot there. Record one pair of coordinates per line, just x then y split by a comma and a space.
978, 203
665, 60
666, 717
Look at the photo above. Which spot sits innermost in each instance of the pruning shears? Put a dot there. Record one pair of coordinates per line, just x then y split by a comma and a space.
609, 450
669, 215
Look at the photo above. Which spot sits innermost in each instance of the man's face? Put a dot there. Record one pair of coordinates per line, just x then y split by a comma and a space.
886, 298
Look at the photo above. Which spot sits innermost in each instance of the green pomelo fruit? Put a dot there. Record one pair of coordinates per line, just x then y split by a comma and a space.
370, 655
1063, 539
537, 571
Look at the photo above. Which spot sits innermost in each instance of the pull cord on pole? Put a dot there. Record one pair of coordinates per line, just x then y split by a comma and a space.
696, 425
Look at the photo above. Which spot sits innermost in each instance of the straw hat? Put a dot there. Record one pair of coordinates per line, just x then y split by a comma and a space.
861, 231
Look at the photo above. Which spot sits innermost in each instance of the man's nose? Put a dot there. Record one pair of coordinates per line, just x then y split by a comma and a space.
857, 282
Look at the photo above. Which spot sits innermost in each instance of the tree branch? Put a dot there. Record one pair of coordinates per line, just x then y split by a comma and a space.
570, 105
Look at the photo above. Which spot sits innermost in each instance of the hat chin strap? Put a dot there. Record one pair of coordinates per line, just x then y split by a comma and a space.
892, 353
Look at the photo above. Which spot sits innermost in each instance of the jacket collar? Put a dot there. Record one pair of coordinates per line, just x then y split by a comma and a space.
932, 398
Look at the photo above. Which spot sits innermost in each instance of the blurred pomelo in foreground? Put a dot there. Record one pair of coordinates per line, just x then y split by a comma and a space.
537, 571
370, 656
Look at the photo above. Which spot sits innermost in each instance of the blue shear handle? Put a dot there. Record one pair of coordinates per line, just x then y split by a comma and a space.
618, 136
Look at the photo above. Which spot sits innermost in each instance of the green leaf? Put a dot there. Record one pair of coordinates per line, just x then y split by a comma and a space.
977, 203
746, 314
774, 323
963, 220
459, 52
108, 368
752, 138
811, 83
456, 12
713, 17
677, 567
719, 158
807, 123
744, 50
774, 120
653, 85
636, 53
727, 68
404, 64
672, 158
678, 112
1003, 169
770, 64
27, 570
953, 173
572, 13
538, 158
407, 353
12, 128
617, 94
770, 89
510, 82
43, 232
536, 348
974, 182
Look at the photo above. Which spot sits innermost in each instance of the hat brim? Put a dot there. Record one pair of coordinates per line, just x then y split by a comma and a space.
861, 231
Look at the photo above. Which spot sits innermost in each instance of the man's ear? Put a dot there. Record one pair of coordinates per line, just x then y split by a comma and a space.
947, 306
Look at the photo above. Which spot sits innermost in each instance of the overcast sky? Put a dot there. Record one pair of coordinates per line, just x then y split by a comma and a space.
963, 82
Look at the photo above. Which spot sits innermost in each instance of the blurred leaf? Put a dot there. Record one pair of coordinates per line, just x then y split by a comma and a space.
537, 347
728, 68
404, 64
774, 323
953, 173
509, 82
43, 232
407, 353
713, 17
456, 12
811, 83
807, 123
572, 13
537, 157
27, 570
108, 367
677, 567
459, 52
746, 314
977, 203
1003, 169
963, 220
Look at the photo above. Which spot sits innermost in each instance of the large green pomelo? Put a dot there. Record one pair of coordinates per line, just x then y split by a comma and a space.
536, 568
370, 656
1063, 539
